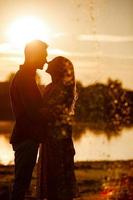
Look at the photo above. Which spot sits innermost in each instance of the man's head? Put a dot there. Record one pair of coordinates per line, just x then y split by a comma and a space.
36, 53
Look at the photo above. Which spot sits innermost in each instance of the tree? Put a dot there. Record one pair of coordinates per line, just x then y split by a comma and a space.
104, 107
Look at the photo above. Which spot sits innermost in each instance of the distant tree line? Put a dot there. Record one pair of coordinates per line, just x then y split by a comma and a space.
102, 107
5, 106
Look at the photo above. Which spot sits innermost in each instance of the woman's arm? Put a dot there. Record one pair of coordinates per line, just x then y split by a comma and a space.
57, 101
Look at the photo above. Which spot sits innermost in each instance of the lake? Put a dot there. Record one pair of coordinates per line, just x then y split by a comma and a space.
89, 147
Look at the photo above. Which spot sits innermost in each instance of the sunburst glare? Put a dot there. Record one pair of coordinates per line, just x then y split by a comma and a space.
27, 28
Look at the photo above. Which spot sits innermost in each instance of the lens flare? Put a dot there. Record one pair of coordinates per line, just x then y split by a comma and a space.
27, 28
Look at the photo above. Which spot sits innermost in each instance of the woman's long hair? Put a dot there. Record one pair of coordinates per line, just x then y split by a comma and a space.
64, 70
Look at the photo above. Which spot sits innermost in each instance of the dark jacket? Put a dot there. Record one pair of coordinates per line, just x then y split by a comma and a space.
26, 102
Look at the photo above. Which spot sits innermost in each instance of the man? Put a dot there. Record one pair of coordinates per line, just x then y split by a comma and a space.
26, 102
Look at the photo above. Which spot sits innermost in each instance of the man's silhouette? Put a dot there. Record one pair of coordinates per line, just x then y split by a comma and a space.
26, 102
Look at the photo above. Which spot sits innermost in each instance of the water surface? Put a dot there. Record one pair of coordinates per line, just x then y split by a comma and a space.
89, 147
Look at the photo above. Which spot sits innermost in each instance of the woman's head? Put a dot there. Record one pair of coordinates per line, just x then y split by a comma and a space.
61, 69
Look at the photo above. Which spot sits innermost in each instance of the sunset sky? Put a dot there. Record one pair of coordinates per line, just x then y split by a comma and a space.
96, 35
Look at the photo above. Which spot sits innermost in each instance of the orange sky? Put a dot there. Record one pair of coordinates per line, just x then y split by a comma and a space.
96, 35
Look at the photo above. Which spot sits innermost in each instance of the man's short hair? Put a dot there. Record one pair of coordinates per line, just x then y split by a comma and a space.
34, 47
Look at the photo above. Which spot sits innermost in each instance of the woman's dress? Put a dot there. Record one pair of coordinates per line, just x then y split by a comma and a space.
57, 178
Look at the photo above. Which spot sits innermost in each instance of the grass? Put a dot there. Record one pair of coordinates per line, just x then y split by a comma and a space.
106, 180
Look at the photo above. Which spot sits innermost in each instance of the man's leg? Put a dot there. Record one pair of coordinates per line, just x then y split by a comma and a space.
25, 159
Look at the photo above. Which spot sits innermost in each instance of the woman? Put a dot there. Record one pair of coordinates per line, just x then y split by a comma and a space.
57, 154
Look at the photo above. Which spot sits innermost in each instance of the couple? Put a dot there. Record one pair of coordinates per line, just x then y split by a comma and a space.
43, 118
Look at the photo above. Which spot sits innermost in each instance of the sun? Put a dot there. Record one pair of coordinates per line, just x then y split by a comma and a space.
27, 28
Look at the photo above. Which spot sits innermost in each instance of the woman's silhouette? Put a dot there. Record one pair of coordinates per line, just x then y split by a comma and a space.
57, 154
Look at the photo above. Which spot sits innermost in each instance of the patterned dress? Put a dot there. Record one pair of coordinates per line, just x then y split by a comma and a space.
57, 179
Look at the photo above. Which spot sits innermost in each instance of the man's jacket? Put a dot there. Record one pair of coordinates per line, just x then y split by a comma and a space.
26, 102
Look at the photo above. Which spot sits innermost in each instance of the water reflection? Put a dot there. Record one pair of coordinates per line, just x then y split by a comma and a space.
6, 153
89, 147
97, 147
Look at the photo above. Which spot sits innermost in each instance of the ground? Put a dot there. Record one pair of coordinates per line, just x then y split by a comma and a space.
96, 181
